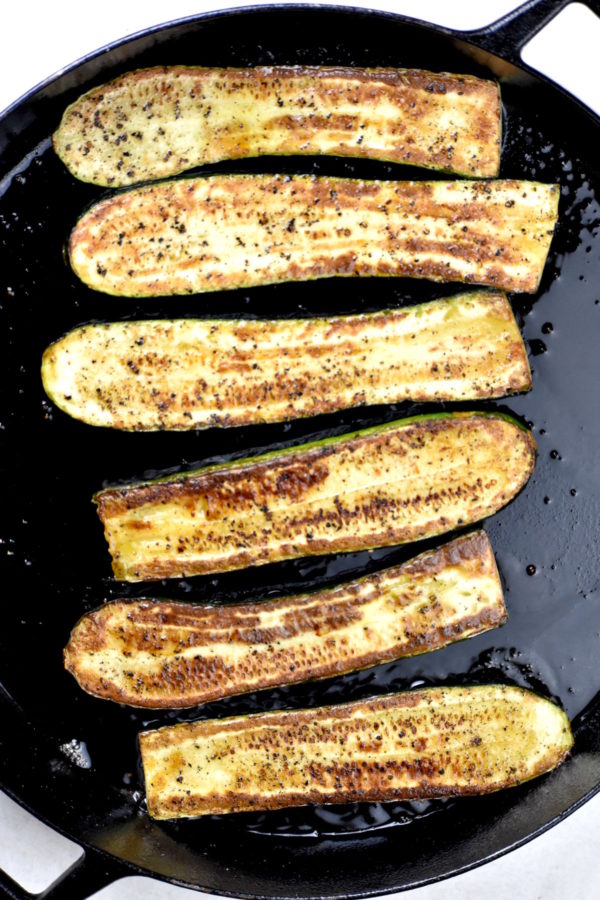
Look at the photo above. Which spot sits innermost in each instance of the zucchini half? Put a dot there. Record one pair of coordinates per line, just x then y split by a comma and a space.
196, 373
159, 653
437, 742
385, 485
232, 231
153, 123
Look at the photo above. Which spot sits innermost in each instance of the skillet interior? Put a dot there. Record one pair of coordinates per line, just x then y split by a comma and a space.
72, 758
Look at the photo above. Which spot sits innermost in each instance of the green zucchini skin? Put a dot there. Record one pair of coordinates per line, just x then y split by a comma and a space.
391, 484
164, 654
437, 742
154, 123
193, 373
235, 231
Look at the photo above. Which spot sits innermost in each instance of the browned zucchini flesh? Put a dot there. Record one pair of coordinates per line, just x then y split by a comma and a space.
232, 231
159, 653
153, 123
196, 373
385, 485
438, 742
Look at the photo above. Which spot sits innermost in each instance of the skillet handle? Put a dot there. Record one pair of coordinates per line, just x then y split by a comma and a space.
507, 36
93, 871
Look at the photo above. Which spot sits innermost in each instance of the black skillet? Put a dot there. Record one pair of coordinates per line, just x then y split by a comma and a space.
72, 759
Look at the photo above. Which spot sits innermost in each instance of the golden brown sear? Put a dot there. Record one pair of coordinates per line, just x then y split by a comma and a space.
392, 484
154, 123
181, 374
160, 653
233, 231
436, 742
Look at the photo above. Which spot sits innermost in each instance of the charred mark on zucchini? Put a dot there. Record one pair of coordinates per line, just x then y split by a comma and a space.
153, 123
194, 373
231, 231
387, 485
166, 654
437, 742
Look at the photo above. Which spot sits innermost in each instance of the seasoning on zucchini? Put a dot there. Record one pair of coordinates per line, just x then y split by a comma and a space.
391, 484
438, 742
153, 123
233, 231
196, 373
160, 653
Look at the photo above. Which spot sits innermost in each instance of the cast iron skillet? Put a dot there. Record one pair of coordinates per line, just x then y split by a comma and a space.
72, 759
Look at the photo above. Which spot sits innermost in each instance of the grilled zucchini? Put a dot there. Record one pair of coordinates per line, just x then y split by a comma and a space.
153, 123
437, 742
232, 231
195, 373
386, 485
166, 654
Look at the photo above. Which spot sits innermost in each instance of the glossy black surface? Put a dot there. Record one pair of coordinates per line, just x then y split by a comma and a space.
74, 758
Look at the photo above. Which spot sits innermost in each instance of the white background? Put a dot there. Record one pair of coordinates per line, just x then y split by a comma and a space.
37, 40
